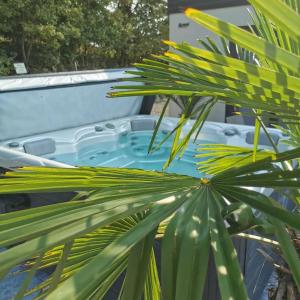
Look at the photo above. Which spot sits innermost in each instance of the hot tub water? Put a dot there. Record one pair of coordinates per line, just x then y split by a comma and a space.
131, 151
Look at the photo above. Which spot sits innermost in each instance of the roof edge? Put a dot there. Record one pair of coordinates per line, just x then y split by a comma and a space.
178, 6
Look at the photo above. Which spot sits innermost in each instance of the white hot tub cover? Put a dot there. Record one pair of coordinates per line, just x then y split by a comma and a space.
36, 104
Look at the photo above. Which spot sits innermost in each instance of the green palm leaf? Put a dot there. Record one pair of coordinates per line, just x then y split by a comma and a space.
247, 40
216, 158
283, 16
99, 257
82, 251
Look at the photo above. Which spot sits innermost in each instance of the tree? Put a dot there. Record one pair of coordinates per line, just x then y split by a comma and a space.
34, 31
139, 27
67, 35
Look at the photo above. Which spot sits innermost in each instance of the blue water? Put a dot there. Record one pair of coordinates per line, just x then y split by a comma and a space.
131, 151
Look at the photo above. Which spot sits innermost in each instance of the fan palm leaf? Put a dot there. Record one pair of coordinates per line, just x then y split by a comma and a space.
270, 85
193, 207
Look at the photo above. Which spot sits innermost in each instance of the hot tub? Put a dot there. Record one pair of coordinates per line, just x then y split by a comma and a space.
123, 143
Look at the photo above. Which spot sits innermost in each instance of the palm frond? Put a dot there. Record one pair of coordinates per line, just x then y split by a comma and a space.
265, 78
276, 33
216, 158
93, 241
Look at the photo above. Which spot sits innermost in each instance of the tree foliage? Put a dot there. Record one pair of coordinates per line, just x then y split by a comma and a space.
64, 35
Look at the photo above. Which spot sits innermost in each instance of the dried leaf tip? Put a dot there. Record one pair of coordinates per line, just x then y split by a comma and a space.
189, 11
204, 181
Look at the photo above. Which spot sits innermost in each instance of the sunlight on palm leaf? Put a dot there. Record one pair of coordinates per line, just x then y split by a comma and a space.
82, 251
276, 33
194, 72
120, 194
217, 158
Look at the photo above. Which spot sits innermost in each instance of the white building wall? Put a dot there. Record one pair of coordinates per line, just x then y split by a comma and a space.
237, 15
